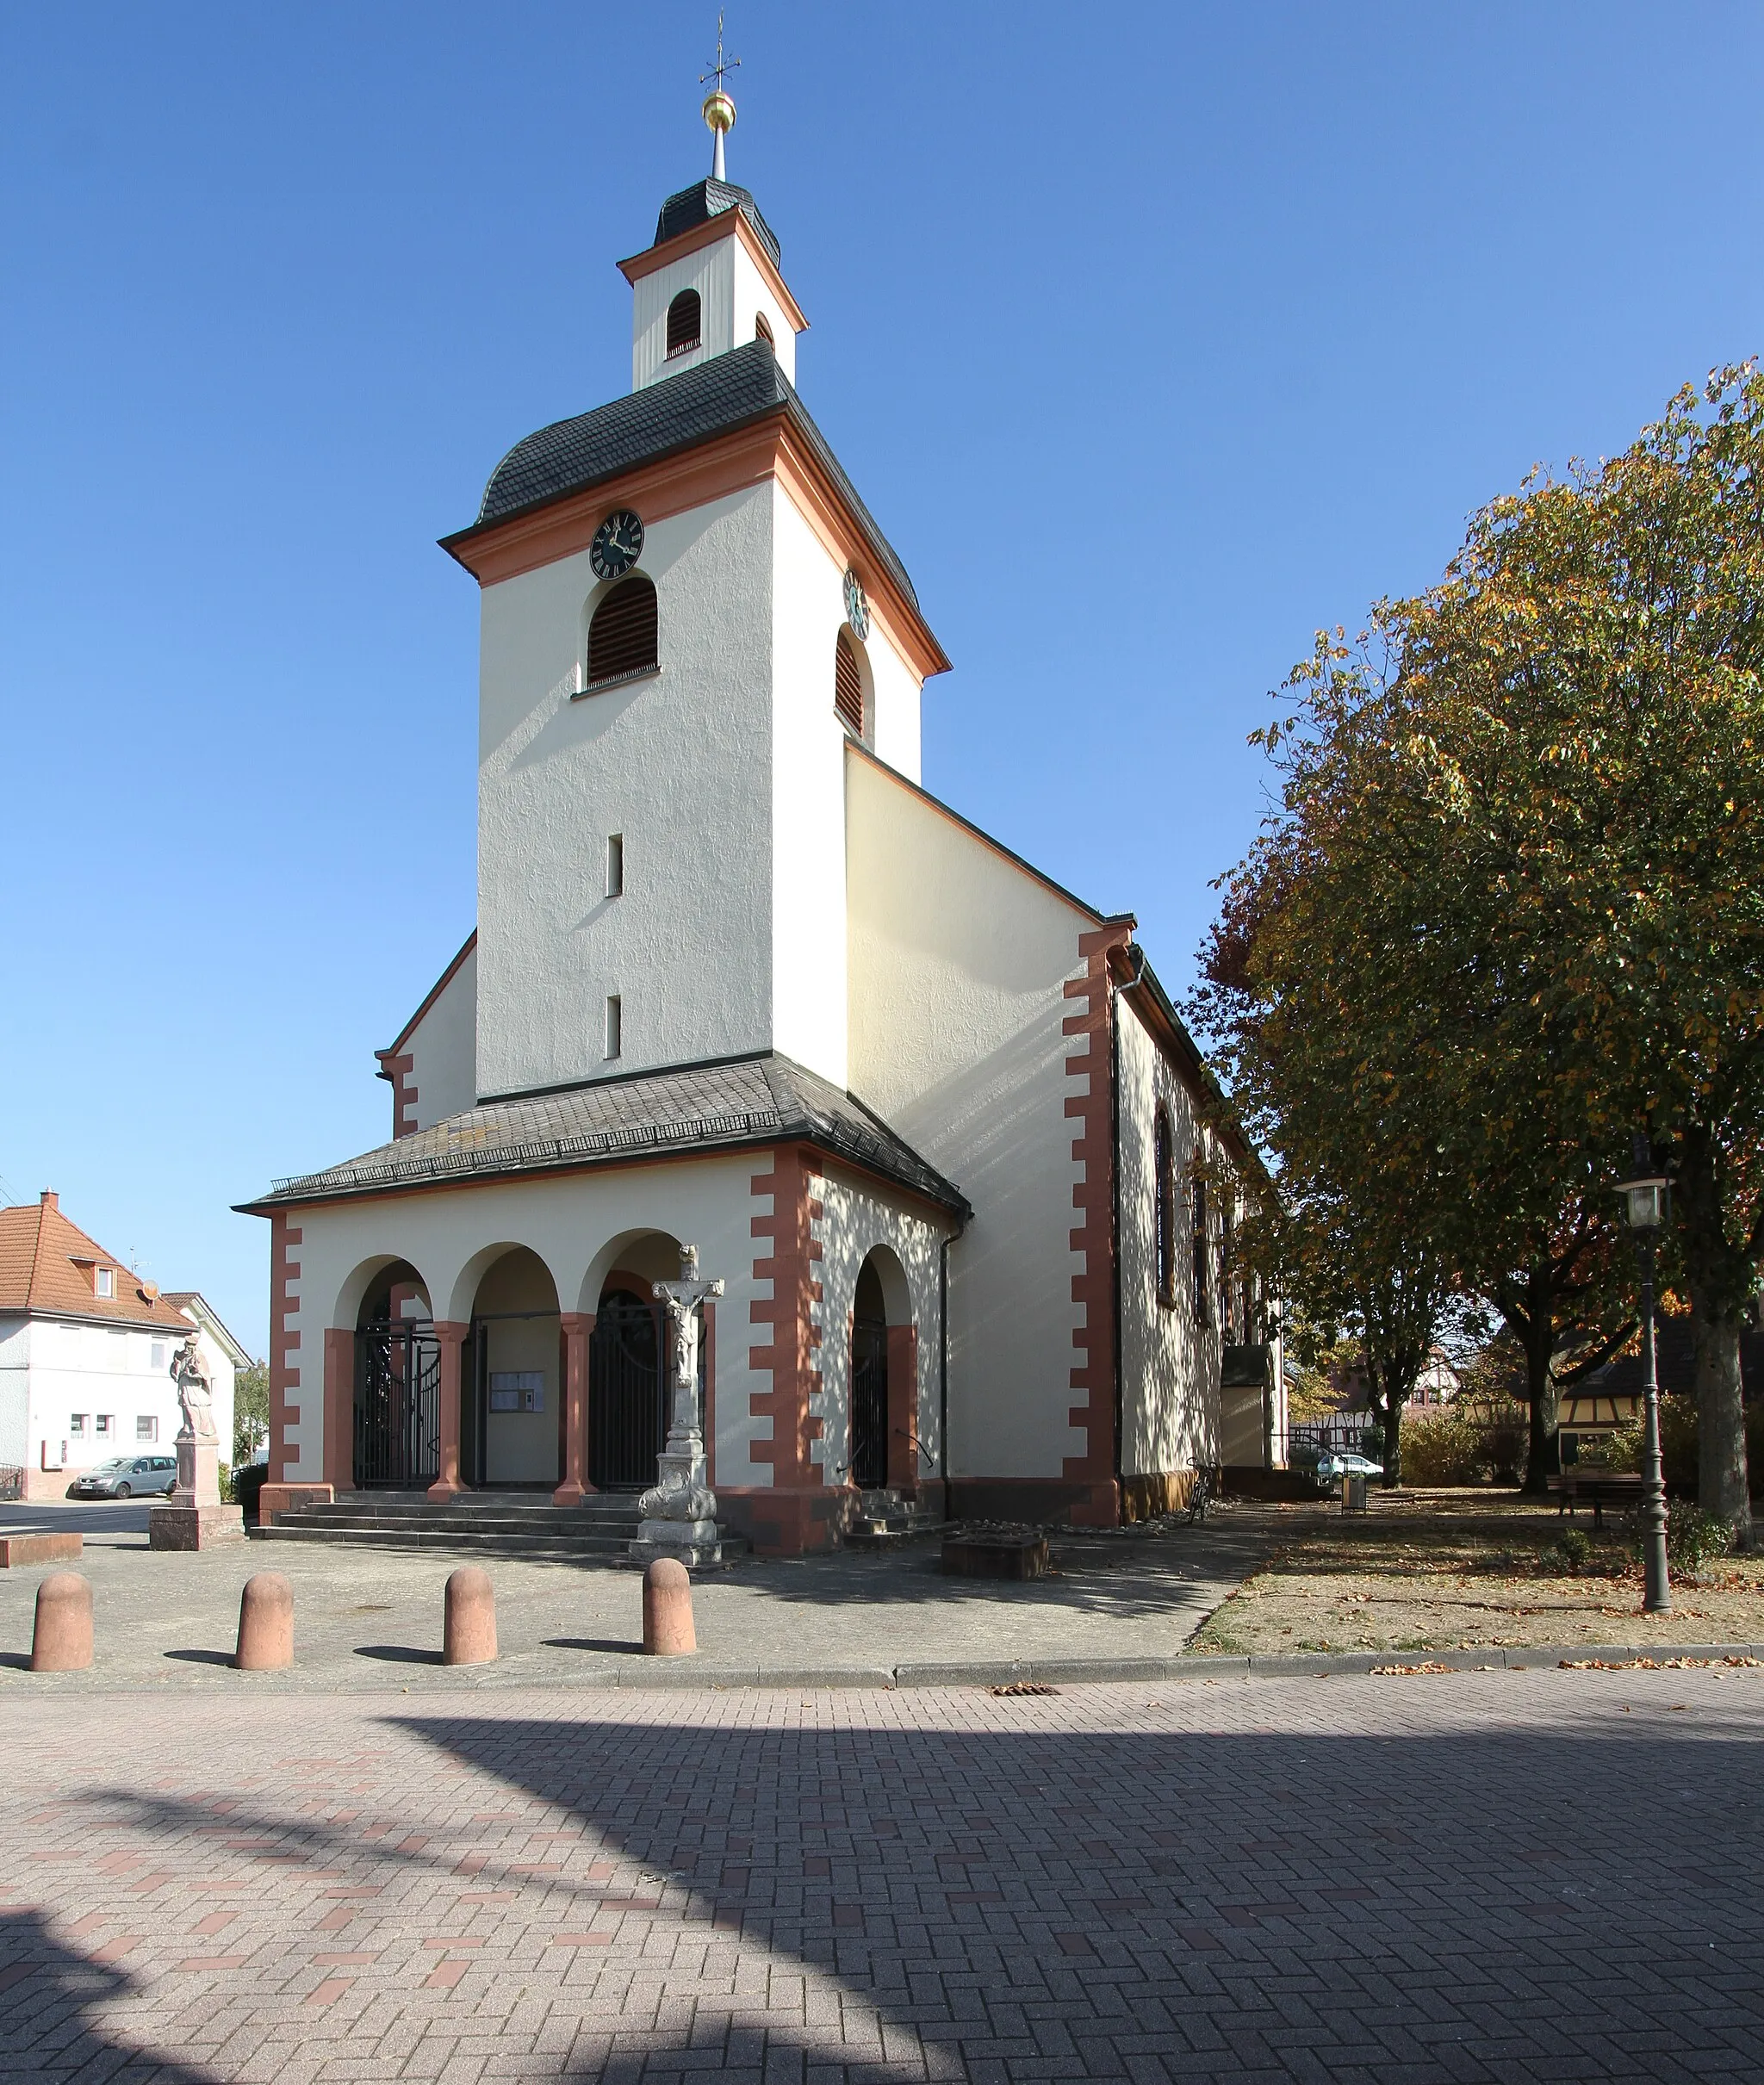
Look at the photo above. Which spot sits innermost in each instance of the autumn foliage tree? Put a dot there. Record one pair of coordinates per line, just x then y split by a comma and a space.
1511, 906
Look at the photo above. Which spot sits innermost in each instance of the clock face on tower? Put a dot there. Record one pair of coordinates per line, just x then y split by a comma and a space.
857, 609
618, 544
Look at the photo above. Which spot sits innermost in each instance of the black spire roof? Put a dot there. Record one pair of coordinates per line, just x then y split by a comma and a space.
705, 200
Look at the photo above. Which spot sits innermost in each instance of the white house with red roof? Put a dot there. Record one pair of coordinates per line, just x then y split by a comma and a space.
85, 1353
739, 980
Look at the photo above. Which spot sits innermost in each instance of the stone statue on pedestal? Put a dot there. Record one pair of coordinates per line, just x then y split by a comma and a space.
192, 1517
679, 1511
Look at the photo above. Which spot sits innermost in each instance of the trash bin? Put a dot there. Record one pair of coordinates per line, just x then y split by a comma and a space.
1353, 1494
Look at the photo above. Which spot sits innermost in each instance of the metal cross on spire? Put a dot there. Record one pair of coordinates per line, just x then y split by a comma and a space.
721, 64
719, 110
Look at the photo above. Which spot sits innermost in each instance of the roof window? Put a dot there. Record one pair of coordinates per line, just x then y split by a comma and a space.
623, 634
847, 684
685, 324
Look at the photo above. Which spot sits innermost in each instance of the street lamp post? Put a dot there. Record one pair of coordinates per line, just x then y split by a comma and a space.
1644, 1208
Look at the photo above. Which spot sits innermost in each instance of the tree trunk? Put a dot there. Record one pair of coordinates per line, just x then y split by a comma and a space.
1392, 1437
1536, 1331
1722, 1481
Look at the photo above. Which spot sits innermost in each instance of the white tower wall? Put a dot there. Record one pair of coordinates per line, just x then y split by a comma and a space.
733, 291
679, 764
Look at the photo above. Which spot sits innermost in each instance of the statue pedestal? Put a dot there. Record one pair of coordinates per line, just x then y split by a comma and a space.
193, 1517
678, 1512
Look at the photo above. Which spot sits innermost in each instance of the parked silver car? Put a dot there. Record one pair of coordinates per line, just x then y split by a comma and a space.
127, 1477
1331, 1469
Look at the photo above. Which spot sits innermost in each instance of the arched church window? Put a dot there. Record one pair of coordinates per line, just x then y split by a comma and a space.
684, 324
762, 330
622, 638
1163, 1215
847, 685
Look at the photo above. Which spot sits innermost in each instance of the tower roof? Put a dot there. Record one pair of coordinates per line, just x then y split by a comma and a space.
710, 198
730, 391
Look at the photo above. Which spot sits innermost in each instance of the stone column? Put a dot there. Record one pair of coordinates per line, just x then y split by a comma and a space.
903, 1465
451, 1338
339, 1409
577, 1325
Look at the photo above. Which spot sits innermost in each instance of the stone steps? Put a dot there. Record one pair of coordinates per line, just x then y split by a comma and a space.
515, 1524
885, 1519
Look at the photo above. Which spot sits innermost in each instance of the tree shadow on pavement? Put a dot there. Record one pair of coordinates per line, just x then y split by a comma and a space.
48, 1995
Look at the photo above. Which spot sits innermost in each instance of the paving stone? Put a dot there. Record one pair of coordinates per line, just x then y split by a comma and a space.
1349, 1882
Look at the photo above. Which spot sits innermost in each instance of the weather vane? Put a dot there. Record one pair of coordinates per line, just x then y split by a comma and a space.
719, 110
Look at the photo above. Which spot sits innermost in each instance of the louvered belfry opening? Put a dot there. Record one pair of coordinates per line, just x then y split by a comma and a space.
847, 685
684, 325
762, 330
622, 638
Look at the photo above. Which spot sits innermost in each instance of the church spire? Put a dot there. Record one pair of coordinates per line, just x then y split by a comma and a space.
719, 110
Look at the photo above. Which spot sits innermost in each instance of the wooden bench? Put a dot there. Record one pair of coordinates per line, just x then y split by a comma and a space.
1598, 1488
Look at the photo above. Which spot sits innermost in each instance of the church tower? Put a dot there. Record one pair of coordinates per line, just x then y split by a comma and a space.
688, 616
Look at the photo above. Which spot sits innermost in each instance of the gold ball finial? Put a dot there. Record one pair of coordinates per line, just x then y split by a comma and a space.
718, 112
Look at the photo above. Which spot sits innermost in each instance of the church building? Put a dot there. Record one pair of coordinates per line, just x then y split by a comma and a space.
738, 980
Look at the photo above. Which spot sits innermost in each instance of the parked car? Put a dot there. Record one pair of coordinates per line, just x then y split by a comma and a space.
127, 1477
1331, 1469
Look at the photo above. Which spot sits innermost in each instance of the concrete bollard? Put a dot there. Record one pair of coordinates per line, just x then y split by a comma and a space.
468, 1633
265, 1623
667, 1609
61, 1642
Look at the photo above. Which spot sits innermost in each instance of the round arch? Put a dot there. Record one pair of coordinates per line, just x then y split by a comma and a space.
347, 1309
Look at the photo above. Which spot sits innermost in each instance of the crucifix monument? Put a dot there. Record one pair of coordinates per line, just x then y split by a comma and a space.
679, 1511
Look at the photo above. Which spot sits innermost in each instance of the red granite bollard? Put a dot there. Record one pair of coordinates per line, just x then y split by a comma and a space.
667, 1609
61, 1641
468, 1633
265, 1623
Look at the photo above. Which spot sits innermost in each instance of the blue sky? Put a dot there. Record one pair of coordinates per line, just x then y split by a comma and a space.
1155, 337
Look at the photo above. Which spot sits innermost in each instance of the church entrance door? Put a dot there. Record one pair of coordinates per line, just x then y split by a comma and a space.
397, 1407
627, 1422
869, 1403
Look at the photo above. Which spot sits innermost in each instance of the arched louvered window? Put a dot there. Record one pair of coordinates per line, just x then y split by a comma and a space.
762, 330
1202, 1316
1163, 1215
622, 638
684, 323
847, 685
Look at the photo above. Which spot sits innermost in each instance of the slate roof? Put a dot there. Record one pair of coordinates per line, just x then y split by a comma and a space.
705, 1108
44, 1260
712, 398
705, 200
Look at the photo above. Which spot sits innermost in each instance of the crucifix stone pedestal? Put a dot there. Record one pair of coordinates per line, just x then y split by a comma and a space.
679, 1511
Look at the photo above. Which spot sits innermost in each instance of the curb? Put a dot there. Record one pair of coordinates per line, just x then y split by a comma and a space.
687, 1675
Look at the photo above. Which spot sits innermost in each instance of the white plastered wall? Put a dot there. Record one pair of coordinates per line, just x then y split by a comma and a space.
732, 293
808, 787
679, 763
581, 1224
1170, 1365
856, 1218
957, 960
444, 1048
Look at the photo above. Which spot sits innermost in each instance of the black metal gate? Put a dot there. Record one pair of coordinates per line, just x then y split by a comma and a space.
626, 1424
869, 1404
397, 1407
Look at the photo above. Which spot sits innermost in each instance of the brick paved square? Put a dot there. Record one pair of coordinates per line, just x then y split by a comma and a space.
1514, 1877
